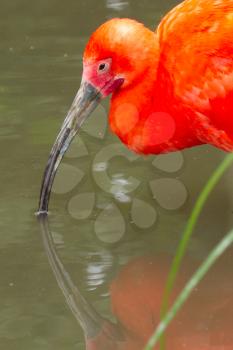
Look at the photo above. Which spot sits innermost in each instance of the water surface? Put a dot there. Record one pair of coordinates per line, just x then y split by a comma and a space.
109, 207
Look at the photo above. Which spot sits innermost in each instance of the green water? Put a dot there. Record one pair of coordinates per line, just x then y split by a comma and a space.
108, 206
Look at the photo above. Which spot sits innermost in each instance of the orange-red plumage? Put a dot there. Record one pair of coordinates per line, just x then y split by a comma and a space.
171, 89
178, 89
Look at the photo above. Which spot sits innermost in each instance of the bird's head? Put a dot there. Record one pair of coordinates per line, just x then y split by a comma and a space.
117, 56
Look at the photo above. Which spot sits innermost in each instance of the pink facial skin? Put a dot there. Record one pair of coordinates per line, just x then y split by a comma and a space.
100, 75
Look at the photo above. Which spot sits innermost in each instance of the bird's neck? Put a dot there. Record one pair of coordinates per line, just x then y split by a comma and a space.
147, 118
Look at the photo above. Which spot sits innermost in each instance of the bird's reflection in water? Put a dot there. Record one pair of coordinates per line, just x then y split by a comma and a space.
205, 323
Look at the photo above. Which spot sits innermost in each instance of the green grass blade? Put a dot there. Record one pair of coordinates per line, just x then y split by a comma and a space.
197, 277
189, 230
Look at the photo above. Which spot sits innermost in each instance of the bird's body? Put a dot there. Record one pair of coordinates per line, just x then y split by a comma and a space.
196, 45
171, 89
185, 96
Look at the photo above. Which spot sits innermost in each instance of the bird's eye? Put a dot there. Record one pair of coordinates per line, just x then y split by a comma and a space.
103, 67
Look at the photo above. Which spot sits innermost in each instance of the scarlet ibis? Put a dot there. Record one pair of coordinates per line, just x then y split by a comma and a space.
171, 89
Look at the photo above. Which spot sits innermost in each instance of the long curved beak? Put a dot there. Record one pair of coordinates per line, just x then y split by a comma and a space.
84, 103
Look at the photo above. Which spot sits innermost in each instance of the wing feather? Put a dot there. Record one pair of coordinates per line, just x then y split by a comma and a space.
196, 43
